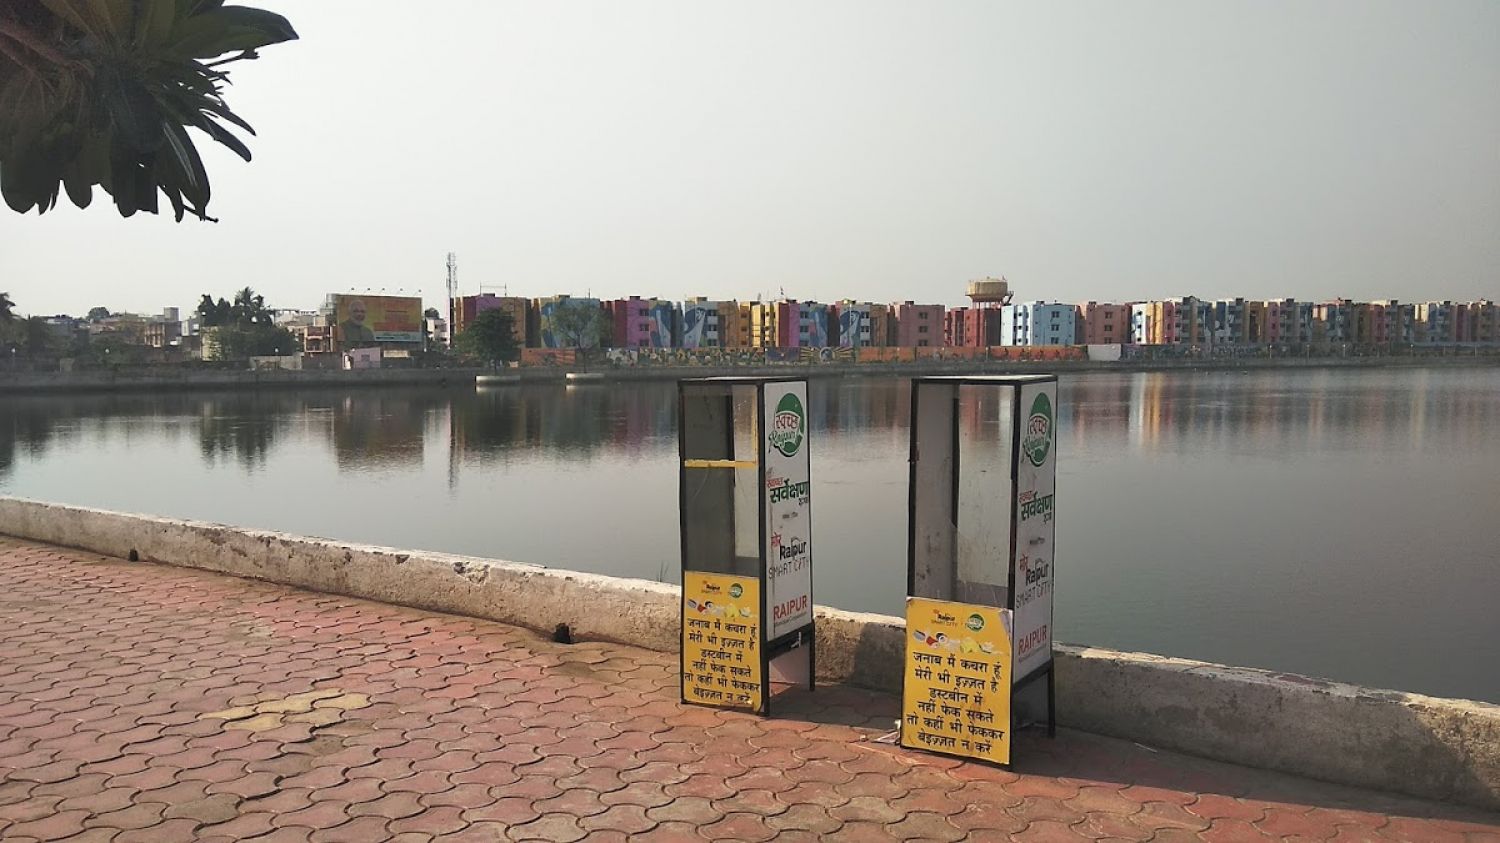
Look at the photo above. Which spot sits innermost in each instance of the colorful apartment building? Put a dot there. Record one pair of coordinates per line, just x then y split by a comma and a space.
1038, 323
1227, 322
468, 308
1380, 322
1478, 321
764, 319
1436, 322
702, 323
734, 326
858, 324
642, 323
1104, 324
882, 323
916, 325
1255, 321
972, 327
1333, 321
1281, 321
1141, 323
801, 324
1179, 321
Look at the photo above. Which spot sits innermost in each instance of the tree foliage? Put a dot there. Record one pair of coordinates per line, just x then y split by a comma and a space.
238, 342
97, 313
102, 92
580, 325
244, 327
490, 337
247, 309
30, 335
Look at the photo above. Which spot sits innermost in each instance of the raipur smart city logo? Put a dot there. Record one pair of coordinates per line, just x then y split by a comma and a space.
1038, 439
788, 426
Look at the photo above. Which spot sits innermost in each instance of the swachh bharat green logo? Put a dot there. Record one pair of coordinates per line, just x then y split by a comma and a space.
976, 622
1038, 439
788, 425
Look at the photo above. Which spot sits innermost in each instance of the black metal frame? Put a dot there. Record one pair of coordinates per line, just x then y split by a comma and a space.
1015, 382
770, 649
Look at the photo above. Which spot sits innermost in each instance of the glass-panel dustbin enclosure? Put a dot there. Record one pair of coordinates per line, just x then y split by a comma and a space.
979, 558
746, 521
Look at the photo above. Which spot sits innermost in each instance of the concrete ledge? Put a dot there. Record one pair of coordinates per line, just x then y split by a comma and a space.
1407, 743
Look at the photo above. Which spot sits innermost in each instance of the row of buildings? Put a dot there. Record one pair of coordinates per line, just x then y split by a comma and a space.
400, 326
991, 319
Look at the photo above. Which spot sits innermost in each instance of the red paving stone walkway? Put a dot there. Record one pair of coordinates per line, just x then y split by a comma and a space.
148, 703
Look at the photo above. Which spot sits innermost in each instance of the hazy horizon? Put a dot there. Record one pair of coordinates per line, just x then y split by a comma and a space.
875, 150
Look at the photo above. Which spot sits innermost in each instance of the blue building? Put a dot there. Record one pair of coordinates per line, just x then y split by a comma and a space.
1038, 323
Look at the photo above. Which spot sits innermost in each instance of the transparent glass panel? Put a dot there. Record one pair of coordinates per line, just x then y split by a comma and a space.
747, 492
984, 494
932, 512
719, 476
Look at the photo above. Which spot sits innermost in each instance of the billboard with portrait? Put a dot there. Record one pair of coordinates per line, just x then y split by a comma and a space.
363, 320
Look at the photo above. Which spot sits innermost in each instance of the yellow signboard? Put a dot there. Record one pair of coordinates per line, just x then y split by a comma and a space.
956, 692
721, 634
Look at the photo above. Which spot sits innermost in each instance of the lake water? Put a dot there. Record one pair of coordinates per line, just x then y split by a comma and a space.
1339, 523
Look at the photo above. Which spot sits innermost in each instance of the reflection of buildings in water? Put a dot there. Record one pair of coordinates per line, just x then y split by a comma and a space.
239, 430
372, 430
1095, 410
983, 412
569, 422
1268, 412
25, 426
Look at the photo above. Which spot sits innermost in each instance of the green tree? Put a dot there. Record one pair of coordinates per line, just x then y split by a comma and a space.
239, 343
102, 92
245, 327
490, 337
6, 308
247, 309
212, 314
579, 324
37, 337
97, 313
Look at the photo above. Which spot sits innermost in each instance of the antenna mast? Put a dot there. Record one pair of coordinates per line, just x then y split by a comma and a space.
452, 292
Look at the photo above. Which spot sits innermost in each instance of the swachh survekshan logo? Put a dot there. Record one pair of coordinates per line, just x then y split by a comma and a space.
1038, 439
788, 425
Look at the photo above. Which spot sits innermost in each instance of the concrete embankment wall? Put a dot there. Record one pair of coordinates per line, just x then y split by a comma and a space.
1423, 746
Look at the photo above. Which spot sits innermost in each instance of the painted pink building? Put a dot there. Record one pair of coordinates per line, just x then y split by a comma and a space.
917, 325
1104, 324
641, 323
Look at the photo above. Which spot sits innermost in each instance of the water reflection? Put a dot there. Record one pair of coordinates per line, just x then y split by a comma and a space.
1148, 413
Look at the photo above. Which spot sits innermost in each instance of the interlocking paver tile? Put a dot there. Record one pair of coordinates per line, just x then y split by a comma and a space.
164, 704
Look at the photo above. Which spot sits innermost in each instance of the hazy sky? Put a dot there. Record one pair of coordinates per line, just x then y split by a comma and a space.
874, 150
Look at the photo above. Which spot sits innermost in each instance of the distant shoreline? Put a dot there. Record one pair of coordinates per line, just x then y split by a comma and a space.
174, 380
